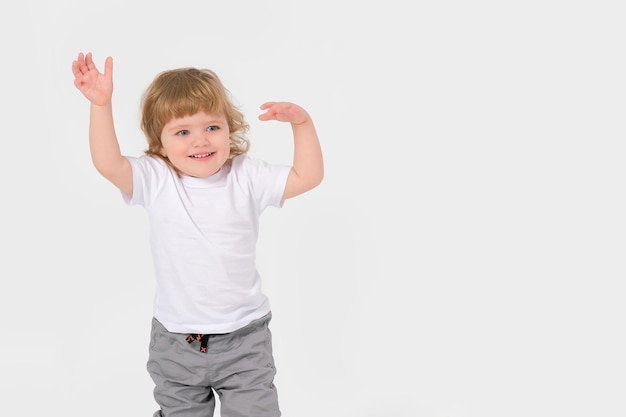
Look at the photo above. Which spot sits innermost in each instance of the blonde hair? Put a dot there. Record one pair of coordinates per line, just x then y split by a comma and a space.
184, 92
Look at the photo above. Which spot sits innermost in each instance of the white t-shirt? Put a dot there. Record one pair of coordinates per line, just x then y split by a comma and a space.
203, 235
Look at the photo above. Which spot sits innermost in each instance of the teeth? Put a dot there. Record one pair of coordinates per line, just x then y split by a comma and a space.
202, 155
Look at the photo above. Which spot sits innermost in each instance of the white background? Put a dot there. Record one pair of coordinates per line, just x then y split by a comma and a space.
464, 255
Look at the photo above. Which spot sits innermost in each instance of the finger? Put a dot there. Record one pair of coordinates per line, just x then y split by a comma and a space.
82, 65
267, 105
91, 66
76, 69
89, 61
108, 67
76, 65
267, 116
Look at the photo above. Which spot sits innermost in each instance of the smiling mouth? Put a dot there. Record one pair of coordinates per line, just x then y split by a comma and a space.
202, 155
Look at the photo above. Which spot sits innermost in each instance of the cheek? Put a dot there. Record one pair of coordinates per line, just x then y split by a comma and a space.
168, 148
162, 150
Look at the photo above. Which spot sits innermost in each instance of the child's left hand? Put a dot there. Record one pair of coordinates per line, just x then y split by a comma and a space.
284, 112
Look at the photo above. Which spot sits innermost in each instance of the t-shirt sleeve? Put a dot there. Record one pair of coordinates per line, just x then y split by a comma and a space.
268, 181
147, 173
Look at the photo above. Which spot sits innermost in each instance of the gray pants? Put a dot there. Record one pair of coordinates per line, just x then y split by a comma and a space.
239, 366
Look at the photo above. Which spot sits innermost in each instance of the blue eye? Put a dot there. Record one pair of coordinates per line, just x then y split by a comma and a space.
212, 128
182, 133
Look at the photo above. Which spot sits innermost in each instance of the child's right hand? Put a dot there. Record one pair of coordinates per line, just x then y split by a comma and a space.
97, 87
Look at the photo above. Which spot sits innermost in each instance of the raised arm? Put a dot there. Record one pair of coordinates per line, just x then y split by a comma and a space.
103, 144
308, 166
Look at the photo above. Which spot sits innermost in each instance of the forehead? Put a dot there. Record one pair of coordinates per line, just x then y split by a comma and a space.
197, 118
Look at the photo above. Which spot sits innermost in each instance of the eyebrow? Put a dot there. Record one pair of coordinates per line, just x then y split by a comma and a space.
186, 125
178, 126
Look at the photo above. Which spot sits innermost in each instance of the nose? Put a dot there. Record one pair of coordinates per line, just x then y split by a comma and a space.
201, 139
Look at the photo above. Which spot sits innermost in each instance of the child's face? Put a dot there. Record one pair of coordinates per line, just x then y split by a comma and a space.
197, 145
